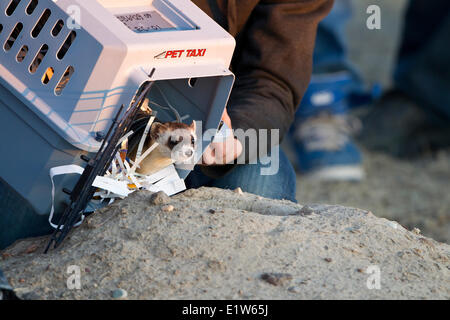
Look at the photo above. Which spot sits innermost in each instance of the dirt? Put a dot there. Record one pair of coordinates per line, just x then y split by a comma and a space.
218, 244
413, 192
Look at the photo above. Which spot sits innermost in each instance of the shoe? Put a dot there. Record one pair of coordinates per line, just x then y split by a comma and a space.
321, 134
325, 150
402, 127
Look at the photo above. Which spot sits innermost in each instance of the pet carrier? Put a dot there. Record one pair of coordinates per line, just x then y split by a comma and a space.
67, 66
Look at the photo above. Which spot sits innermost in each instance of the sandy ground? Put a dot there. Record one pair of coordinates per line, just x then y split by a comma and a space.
414, 192
219, 244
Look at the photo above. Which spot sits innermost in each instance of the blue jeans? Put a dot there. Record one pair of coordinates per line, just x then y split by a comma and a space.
248, 177
330, 52
423, 66
423, 63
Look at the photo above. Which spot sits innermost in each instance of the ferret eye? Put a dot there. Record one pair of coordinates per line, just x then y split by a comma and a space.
172, 142
192, 140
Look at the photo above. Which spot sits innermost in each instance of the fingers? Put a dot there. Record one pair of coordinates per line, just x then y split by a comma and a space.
237, 149
222, 152
226, 118
209, 156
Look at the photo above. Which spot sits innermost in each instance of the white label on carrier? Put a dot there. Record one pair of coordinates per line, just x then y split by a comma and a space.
148, 21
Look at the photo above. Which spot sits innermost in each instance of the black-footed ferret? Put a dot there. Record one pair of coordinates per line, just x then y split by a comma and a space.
176, 144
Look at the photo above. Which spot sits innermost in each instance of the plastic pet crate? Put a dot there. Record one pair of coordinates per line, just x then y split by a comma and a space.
67, 66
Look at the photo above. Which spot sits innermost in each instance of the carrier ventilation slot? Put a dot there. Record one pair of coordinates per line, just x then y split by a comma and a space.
48, 75
22, 54
30, 9
192, 82
57, 28
1, 28
12, 7
64, 80
13, 36
41, 23
65, 47
38, 59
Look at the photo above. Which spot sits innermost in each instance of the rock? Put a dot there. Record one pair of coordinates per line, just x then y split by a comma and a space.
168, 208
294, 289
32, 248
216, 265
305, 211
31, 296
27, 294
328, 259
119, 294
212, 211
394, 225
6, 255
238, 190
159, 198
277, 279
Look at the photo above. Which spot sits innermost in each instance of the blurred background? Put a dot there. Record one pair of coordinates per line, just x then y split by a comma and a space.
406, 181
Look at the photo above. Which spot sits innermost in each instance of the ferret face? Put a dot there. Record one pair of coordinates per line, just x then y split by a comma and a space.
176, 140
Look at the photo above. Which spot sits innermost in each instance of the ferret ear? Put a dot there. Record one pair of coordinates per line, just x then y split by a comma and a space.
157, 130
193, 126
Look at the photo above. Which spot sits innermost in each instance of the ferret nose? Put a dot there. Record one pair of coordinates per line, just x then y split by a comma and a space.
189, 153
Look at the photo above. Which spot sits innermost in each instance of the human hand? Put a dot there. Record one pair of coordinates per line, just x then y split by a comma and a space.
223, 152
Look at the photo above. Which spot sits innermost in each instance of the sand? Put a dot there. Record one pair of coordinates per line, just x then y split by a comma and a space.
218, 244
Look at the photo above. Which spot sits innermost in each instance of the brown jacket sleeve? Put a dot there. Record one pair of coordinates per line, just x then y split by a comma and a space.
273, 60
